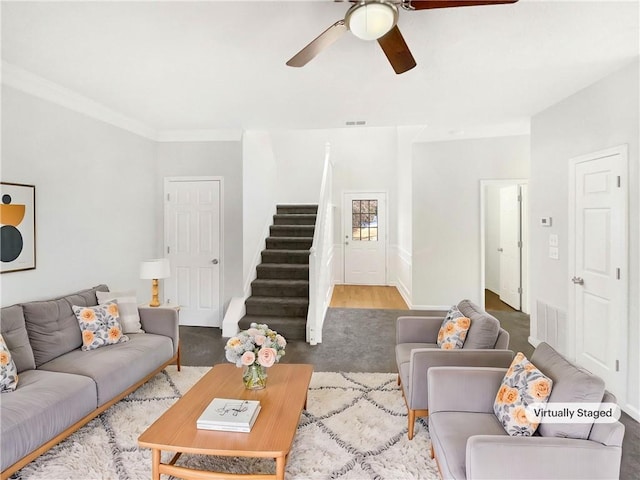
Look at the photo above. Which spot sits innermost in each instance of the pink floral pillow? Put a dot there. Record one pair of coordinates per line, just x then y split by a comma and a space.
100, 325
522, 385
453, 331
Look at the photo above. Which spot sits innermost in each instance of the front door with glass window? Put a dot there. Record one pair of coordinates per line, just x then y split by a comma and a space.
365, 236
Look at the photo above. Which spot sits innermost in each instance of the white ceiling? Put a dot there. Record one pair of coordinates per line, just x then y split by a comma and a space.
178, 65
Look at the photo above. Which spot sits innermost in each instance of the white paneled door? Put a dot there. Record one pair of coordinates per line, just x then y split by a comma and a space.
598, 263
365, 234
510, 246
192, 243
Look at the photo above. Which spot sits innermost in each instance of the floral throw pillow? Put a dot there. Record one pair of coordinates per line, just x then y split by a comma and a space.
8, 370
522, 385
453, 331
100, 325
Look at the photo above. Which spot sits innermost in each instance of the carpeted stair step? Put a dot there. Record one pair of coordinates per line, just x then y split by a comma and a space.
295, 219
286, 271
262, 287
289, 243
291, 328
292, 230
277, 306
285, 256
286, 209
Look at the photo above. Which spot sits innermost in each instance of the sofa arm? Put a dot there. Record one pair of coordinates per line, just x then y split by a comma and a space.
463, 389
418, 329
161, 321
505, 457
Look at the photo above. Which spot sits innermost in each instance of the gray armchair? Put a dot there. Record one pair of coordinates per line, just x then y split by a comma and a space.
417, 351
469, 442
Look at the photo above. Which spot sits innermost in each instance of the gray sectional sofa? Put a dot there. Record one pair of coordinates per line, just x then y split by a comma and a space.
60, 387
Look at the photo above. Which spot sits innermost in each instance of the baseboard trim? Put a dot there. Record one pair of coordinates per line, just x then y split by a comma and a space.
534, 341
430, 307
236, 310
632, 411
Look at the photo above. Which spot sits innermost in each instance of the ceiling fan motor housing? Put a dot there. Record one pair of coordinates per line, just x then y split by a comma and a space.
371, 19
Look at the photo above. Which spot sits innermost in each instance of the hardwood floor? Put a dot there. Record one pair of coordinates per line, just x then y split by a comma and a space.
492, 302
367, 296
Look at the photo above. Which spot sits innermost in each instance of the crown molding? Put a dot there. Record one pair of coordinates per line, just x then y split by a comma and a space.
517, 127
37, 86
221, 135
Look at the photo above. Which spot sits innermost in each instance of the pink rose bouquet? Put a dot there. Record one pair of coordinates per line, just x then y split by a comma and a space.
257, 344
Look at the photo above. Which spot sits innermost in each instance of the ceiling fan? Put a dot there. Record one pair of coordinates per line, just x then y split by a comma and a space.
377, 20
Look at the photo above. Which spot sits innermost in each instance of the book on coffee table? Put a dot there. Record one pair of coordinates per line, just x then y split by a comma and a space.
229, 415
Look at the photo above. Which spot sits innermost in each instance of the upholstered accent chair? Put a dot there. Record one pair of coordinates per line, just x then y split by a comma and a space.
469, 441
417, 350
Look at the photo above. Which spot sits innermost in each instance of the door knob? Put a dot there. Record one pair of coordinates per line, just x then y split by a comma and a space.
578, 280
214, 261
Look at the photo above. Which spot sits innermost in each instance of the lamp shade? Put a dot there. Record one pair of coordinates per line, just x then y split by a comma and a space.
371, 20
155, 268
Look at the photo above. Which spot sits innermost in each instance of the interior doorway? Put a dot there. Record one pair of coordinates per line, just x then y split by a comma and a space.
598, 263
504, 243
193, 245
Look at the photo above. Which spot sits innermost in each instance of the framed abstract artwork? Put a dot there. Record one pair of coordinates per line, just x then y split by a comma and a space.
17, 227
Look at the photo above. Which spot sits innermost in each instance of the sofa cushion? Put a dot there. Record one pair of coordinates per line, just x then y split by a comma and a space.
523, 385
100, 325
44, 405
52, 326
128, 307
484, 329
8, 371
453, 331
14, 331
571, 384
449, 434
115, 368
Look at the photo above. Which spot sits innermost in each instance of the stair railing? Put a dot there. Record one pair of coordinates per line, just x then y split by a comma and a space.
321, 256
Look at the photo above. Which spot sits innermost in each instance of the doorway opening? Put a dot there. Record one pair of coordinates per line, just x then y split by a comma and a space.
504, 242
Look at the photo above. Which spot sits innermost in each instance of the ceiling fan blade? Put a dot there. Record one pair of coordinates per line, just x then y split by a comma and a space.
397, 51
321, 42
425, 4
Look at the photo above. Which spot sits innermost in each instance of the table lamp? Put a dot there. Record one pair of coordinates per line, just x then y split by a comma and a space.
153, 270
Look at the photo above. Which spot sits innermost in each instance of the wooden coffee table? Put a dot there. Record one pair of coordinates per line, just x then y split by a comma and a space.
271, 436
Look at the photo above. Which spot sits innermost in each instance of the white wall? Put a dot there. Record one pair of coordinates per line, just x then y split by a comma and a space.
95, 198
492, 238
300, 158
259, 197
193, 159
400, 258
446, 212
600, 116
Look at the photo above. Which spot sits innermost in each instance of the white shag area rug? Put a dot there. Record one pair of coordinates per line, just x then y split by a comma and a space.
355, 427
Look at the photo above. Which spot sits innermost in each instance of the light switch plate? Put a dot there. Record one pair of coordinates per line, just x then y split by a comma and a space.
553, 239
553, 253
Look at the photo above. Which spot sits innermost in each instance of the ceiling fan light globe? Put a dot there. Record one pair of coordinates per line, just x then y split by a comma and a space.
371, 20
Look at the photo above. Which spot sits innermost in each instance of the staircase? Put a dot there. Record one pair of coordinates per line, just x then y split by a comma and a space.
280, 293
